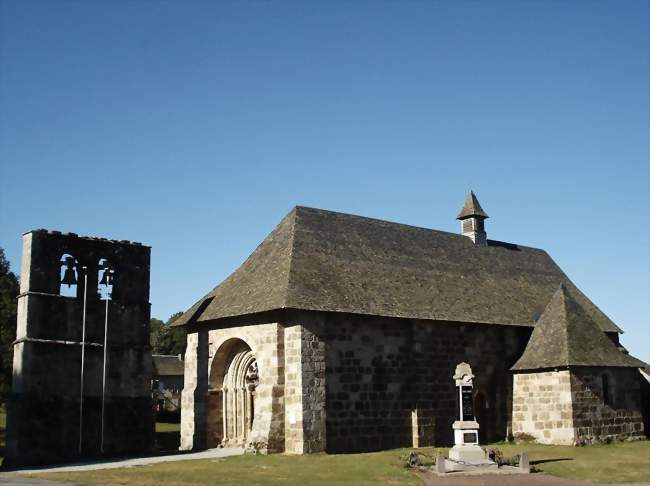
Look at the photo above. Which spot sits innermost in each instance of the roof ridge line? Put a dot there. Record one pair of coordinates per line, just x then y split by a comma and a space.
565, 328
285, 299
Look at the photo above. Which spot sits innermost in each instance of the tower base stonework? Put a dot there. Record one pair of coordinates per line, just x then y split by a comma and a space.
51, 418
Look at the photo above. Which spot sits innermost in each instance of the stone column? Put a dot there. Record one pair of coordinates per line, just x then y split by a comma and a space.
268, 423
194, 395
305, 429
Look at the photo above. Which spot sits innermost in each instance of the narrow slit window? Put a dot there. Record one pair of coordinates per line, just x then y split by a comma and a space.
607, 390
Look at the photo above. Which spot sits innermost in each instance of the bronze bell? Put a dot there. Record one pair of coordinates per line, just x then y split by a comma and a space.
70, 276
107, 276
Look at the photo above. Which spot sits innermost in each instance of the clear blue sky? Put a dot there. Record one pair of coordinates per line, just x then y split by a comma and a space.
195, 126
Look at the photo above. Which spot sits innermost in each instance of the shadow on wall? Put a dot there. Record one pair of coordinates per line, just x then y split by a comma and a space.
3, 418
168, 442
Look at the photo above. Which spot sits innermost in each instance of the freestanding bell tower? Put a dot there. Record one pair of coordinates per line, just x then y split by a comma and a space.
82, 363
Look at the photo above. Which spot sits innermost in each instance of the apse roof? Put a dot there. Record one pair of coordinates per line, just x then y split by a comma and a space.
566, 335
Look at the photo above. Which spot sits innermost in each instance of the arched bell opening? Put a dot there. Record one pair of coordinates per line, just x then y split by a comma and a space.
69, 278
231, 396
106, 274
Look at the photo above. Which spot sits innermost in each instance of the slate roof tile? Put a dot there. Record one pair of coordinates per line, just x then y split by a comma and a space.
327, 261
565, 335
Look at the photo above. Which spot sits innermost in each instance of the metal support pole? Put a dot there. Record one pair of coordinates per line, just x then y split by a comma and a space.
104, 372
83, 359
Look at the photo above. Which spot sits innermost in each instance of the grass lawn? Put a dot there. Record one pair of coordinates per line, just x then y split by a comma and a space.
628, 462
615, 463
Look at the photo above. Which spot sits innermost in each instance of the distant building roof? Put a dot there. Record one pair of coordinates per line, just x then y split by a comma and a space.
471, 208
326, 261
566, 335
167, 365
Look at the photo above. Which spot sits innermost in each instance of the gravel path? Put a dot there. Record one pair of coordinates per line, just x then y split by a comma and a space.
10, 479
139, 461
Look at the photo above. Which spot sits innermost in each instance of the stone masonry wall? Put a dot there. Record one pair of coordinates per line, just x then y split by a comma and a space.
305, 390
346, 383
387, 379
289, 410
267, 343
193, 407
542, 407
292, 387
313, 387
594, 420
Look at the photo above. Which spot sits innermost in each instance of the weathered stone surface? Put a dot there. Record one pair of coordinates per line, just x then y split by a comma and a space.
43, 423
568, 406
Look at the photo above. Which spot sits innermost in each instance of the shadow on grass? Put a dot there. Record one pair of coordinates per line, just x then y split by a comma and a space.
542, 461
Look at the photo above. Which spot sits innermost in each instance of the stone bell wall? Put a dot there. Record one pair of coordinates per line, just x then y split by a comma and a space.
43, 416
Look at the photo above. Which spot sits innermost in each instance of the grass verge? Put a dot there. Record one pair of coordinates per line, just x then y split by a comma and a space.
627, 462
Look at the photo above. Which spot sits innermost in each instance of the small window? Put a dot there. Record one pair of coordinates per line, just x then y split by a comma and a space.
608, 389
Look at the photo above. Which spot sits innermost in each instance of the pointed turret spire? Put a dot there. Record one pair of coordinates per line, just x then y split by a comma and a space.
471, 219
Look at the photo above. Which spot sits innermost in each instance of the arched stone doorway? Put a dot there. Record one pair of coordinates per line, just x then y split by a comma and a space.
231, 396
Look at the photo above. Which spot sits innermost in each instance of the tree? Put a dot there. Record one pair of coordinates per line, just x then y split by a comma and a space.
9, 289
166, 339
155, 328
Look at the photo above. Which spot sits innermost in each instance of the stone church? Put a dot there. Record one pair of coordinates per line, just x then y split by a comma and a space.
341, 333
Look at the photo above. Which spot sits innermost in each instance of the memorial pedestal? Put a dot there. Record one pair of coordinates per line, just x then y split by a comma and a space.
466, 448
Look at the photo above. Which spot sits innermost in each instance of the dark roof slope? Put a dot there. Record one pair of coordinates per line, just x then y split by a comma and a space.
471, 208
566, 335
327, 261
167, 365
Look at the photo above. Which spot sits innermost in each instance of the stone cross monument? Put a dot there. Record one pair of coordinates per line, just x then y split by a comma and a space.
466, 448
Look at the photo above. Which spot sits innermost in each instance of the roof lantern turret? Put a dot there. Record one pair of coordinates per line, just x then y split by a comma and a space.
472, 219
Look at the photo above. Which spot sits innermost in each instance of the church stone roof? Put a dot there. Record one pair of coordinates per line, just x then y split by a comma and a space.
471, 208
566, 335
325, 261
